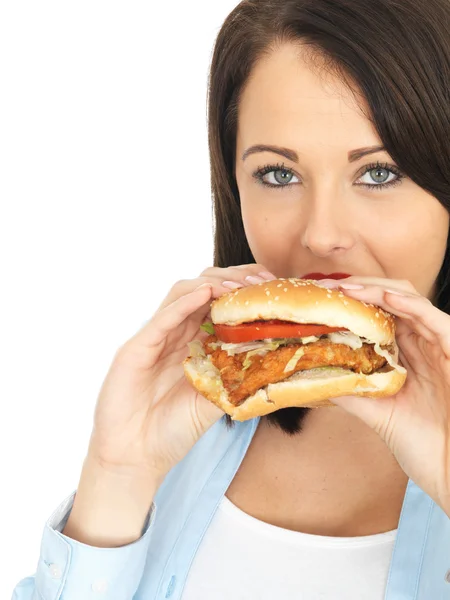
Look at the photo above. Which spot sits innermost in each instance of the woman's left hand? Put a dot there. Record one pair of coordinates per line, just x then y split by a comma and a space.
415, 423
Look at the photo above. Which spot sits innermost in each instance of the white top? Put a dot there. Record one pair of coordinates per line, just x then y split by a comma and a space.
243, 558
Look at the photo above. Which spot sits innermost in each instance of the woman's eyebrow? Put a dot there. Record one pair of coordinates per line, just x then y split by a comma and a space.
354, 155
289, 154
292, 155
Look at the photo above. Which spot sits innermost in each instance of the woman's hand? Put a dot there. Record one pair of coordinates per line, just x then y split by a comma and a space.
148, 416
415, 423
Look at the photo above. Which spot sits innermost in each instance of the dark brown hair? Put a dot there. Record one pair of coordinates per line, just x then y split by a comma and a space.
396, 53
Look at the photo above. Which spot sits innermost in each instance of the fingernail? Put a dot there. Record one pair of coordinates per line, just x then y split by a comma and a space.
232, 285
254, 280
331, 284
266, 275
351, 286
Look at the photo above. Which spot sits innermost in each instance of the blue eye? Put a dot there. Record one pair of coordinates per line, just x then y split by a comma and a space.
383, 176
279, 176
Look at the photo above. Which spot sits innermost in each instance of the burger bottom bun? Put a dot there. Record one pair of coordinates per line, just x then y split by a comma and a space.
312, 388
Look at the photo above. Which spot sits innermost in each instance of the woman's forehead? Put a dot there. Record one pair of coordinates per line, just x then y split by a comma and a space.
285, 100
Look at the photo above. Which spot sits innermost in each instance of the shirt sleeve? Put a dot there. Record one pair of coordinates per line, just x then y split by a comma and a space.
70, 570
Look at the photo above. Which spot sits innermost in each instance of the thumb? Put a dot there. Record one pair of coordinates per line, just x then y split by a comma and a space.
375, 412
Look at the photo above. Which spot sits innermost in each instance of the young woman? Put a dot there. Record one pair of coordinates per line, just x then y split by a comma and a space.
329, 138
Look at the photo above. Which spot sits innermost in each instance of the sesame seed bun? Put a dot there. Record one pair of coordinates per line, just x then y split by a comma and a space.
303, 301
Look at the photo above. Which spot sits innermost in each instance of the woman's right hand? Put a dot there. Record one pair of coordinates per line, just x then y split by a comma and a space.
148, 416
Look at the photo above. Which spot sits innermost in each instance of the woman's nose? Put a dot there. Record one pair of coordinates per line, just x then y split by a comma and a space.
327, 229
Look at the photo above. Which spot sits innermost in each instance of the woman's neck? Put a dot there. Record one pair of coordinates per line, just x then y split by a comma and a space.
337, 477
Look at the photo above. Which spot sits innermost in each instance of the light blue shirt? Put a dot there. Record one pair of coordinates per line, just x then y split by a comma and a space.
155, 567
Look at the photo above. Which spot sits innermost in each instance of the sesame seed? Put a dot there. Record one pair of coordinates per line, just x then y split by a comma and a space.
285, 290
280, 285
277, 298
345, 303
246, 303
267, 293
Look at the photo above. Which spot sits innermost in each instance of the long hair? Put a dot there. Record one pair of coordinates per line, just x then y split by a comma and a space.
398, 54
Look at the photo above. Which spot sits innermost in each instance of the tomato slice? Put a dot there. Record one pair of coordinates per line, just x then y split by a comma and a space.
260, 330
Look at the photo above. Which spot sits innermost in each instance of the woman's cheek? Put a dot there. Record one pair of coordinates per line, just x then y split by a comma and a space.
411, 245
270, 236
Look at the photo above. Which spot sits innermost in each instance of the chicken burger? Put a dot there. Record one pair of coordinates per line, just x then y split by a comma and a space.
291, 342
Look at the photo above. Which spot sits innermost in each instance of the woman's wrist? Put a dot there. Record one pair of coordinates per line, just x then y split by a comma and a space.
111, 505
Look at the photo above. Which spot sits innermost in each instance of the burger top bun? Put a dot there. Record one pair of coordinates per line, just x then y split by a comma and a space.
303, 301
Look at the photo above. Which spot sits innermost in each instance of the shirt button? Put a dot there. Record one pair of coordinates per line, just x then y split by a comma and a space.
100, 586
447, 576
55, 571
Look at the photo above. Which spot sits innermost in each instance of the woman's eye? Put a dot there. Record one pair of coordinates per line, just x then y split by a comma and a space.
279, 177
378, 176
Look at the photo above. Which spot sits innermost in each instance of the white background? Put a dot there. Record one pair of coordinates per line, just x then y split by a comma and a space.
104, 204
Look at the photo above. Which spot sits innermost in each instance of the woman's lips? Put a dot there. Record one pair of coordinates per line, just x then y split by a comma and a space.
323, 276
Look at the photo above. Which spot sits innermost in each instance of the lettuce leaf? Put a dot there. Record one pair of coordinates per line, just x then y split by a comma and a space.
247, 362
232, 349
208, 327
294, 360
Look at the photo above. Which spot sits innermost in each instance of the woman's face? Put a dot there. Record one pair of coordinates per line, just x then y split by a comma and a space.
326, 208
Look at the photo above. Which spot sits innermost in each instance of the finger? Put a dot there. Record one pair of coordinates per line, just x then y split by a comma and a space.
405, 359
240, 274
375, 412
411, 356
224, 280
163, 322
407, 328
186, 286
385, 299
374, 295
396, 284
221, 285
425, 313
251, 269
